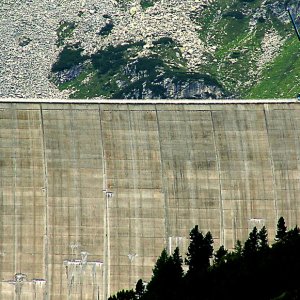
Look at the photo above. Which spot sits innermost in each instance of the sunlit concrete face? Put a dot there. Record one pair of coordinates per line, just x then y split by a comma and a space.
90, 194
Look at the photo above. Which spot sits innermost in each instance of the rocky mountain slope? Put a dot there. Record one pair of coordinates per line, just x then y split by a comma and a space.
148, 49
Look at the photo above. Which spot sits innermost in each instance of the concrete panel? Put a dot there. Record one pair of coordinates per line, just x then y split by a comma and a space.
91, 193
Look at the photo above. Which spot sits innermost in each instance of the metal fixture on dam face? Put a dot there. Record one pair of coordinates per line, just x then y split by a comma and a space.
90, 194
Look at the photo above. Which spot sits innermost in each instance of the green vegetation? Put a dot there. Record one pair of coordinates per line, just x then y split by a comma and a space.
106, 29
147, 3
110, 59
226, 25
144, 3
68, 58
254, 270
281, 78
234, 29
119, 72
100, 73
65, 30
234, 14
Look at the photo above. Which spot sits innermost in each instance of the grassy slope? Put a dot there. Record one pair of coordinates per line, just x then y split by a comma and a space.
238, 47
225, 25
117, 72
282, 78
229, 32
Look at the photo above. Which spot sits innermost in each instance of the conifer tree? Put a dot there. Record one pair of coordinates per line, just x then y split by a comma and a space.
176, 276
166, 280
158, 283
252, 244
281, 229
238, 248
124, 295
177, 264
200, 251
263, 239
160, 263
139, 289
292, 234
208, 246
193, 257
220, 255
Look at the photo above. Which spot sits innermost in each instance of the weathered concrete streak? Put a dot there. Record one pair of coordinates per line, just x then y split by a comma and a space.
82, 184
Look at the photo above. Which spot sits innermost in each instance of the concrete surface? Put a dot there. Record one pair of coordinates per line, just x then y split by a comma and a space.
90, 194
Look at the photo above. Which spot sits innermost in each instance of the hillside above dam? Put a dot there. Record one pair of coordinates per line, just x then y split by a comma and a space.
148, 49
92, 193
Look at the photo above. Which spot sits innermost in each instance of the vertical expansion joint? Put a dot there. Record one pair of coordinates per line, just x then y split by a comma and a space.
222, 237
166, 211
14, 189
78, 205
134, 186
45, 190
272, 165
107, 195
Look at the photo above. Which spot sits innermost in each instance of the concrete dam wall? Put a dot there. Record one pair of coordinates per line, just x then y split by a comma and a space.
90, 194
